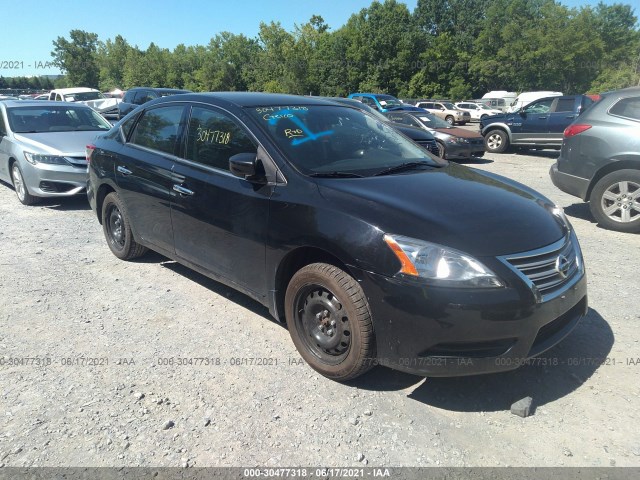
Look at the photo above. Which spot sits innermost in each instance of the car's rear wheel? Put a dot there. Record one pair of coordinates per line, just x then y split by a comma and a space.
329, 321
615, 201
496, 141
22, 192
450, 120
117, 229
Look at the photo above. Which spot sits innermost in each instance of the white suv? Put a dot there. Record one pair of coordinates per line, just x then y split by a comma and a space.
446, 111
477, 110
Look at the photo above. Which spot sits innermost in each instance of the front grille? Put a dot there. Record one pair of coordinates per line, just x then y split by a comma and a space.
430, 145
56, 187
548, 268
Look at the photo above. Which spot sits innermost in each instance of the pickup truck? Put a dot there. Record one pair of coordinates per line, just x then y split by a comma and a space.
107, 107
537, 125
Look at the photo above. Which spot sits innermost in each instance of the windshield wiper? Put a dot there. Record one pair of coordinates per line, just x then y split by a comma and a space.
335, 175
404, 166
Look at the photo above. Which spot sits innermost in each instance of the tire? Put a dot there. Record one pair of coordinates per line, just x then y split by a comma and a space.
442, 150
483, 116
615, 201
449, 119
117, 229
330, 322
496, 141
22, 192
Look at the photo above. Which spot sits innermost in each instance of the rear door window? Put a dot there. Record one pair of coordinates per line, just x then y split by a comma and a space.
159, 129
565, 105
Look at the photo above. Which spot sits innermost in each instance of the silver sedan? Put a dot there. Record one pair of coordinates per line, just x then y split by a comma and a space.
42, 147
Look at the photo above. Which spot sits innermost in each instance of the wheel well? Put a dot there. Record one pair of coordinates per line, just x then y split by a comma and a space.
490, 129
610, 168
103, 191
293, 262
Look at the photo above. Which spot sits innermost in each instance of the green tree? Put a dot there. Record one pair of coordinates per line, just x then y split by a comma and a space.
77, 58
111, 57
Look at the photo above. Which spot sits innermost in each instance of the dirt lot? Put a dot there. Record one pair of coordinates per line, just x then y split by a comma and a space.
109, 382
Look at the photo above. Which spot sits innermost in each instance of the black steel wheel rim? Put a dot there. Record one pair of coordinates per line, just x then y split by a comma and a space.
115, 227
323, 324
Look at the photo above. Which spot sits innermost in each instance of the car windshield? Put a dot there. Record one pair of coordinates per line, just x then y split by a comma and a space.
449, 106
432, 121
387, 101
55, 119
83, 96
337, 141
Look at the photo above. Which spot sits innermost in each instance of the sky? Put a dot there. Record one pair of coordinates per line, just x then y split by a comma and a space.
27, 35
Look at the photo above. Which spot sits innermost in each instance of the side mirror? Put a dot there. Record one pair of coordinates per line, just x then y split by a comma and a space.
243, 165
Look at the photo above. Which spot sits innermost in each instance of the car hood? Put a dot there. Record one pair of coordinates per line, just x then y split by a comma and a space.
473, 211
459, 132
71, 144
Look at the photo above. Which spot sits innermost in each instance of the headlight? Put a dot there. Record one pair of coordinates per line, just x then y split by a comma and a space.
440, 265
34, 158
457, 140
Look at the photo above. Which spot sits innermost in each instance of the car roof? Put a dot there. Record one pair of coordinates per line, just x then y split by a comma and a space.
159, 89
41, 103
74, 90
249, 99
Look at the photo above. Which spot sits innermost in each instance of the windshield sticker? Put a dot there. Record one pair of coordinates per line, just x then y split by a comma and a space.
382, 102
206, 135
425, 119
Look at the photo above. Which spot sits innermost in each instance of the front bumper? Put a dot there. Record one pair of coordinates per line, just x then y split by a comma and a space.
461, 151
44, 180
570, 184
435, 331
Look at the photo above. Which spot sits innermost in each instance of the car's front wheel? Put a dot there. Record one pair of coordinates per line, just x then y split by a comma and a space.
496, 141
22, 192
117, 229
329, 321
442, 150
615, 201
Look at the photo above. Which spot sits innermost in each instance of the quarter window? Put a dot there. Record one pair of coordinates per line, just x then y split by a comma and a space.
158, 129
214, 137
627, 107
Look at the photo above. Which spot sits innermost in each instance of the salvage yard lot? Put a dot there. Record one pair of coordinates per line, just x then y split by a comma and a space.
108, 363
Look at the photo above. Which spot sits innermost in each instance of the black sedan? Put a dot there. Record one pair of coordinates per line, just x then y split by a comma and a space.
370, 249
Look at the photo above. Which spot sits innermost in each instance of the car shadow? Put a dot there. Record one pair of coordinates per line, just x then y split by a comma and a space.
580, 210
474, 161
552, 154
216, 287
64, 204
546, 378
77, 202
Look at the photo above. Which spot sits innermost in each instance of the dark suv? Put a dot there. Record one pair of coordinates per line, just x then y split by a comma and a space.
370, 249
537, 125
137, 96
600, 160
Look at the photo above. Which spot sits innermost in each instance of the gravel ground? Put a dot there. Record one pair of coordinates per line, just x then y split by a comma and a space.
105, 386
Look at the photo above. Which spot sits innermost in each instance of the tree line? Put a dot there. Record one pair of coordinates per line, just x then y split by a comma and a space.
444, 48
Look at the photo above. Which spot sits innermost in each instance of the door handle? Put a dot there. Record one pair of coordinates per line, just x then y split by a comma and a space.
542, 118
124, 170
571, 116
182, 191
